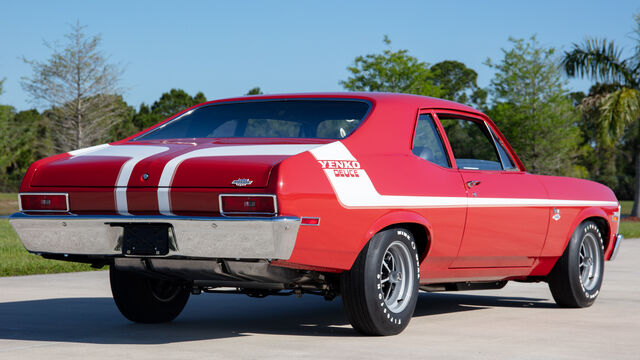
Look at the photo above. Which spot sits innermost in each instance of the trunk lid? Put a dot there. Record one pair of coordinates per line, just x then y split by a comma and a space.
189, 163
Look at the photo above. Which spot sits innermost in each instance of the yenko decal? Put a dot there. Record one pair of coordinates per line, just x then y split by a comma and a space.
341, 168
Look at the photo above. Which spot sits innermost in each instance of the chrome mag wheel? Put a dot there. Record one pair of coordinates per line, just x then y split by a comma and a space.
589, 262
380, 291
396, 277
576, 278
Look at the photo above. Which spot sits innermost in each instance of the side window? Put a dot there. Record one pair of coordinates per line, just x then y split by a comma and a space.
427, 144
472, 144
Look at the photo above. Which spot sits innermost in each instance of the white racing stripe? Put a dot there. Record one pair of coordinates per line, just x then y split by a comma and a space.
169, 171
135, 153
359, 192
87, 150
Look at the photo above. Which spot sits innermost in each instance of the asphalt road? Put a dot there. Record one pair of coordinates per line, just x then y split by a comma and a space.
73, 316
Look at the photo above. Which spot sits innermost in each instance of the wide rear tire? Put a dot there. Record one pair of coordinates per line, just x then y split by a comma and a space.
380, 291
144, 299
576, 278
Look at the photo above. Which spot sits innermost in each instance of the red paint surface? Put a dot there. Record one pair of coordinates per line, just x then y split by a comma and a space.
503, 236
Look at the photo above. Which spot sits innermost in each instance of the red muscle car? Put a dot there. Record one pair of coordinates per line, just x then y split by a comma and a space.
367, 196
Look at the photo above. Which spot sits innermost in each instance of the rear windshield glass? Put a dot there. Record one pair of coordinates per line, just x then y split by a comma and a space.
322, 119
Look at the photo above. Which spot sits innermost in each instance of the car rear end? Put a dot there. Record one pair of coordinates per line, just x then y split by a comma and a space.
194, 198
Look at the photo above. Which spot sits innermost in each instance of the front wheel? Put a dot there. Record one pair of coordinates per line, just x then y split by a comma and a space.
144, 299
576, 278
380, 291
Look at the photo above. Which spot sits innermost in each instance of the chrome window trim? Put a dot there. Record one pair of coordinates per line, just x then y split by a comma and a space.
438, 135
497, 143
455, 116
66, 195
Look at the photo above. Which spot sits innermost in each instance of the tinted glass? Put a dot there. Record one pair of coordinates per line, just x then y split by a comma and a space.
507, 162
471, 144
427, 144
326, 119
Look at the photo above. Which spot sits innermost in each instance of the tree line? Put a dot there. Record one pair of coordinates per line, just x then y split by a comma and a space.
594, 135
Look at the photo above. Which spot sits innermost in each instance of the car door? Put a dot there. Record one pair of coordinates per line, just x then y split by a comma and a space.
432, 169
505, 227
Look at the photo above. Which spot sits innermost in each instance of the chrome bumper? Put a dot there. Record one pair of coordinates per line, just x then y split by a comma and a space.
202, 237
616, 246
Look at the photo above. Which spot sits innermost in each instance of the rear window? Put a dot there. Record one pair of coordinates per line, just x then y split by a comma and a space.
321, 119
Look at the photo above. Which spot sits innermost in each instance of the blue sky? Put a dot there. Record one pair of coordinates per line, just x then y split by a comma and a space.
224, 48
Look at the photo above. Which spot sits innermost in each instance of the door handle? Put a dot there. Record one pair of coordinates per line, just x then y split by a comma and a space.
472, 183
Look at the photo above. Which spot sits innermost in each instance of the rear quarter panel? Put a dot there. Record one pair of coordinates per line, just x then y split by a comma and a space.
304, 190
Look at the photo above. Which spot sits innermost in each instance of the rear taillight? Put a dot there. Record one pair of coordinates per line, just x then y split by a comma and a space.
44, 202
248, 204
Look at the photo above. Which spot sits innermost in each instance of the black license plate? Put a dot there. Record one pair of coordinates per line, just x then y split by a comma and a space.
146, 239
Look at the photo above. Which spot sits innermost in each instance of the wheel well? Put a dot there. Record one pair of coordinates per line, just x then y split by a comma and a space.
420, 235
603, 226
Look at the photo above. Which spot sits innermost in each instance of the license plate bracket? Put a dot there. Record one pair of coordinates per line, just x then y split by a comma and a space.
145, 239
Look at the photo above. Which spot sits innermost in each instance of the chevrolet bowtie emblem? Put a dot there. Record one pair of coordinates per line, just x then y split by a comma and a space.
242, 182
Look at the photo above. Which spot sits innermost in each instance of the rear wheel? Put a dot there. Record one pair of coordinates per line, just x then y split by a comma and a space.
576, 278
147, 300
380, 291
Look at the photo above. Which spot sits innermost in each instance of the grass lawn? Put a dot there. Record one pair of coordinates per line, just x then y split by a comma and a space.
15, 260
630, 229
626, 206
8, 203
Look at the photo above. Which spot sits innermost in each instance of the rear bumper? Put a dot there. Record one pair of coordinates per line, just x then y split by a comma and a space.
201, 237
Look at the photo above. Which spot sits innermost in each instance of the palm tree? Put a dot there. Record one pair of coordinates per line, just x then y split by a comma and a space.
601, 61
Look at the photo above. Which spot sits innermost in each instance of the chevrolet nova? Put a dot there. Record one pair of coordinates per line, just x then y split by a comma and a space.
366, 196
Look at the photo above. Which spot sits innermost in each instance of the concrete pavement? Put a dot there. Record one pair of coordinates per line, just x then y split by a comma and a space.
73, 316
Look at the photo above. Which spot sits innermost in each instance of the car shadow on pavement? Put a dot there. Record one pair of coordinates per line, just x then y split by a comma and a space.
97, 320
449, 302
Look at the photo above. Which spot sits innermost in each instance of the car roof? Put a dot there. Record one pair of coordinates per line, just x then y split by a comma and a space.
414, 100
389, 108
